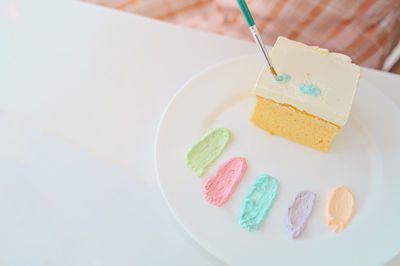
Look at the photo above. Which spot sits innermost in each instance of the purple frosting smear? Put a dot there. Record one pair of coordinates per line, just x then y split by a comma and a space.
299, 211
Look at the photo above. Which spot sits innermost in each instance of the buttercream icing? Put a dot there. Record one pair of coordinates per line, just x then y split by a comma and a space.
332, 73
220, 186
339, 207
299, 211
207, 150
258, 202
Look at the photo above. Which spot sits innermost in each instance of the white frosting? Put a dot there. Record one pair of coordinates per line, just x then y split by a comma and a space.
333, 73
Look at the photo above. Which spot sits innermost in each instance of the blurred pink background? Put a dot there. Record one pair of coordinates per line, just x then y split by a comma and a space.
366, 30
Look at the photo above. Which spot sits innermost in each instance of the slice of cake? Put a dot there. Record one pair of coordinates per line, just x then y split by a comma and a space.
312, 98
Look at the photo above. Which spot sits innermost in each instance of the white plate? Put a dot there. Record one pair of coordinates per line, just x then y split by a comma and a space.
363, 156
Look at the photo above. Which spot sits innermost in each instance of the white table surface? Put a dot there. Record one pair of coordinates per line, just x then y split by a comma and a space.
82, 89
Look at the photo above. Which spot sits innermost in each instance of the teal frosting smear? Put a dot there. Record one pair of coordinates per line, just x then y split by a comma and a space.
282, 78
258, 202
309, 89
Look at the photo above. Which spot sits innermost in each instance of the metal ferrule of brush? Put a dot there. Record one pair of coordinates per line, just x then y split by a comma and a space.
257, 37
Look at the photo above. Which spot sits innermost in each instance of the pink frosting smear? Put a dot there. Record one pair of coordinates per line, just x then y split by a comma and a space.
220, 186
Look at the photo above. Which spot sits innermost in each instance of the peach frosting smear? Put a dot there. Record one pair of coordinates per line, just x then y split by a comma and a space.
339, 207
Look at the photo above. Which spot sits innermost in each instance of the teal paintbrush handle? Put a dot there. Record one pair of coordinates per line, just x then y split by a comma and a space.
256, 34
246, 12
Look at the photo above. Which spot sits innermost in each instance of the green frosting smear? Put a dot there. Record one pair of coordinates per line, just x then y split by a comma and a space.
207, 150
258, 202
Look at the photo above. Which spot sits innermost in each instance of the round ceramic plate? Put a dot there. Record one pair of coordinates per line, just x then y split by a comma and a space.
363, 156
